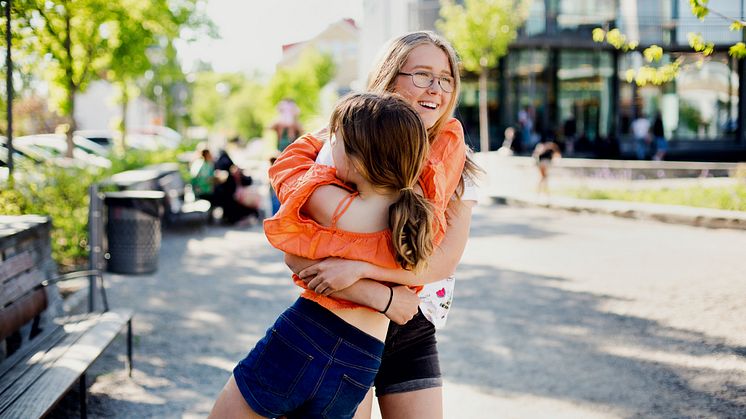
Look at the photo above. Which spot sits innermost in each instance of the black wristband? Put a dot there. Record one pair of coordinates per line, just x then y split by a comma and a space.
391, 298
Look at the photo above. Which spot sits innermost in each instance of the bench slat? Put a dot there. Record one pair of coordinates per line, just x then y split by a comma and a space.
18, 379
20, 285
15, 265
63, 366
23, 310
27, 356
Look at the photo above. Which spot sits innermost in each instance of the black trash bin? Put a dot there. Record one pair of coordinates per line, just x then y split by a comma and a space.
133, 230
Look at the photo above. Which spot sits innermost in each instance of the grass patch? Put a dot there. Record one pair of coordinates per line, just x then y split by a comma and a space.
727, 198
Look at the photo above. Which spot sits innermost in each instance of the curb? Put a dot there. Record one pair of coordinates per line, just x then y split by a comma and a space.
672, 214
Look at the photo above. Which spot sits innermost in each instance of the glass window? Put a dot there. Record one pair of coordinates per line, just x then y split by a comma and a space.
536, 23
585, 79
584, 14
700, 104
705, 102
528, 95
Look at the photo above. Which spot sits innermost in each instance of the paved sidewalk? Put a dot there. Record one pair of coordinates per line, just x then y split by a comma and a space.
524, 340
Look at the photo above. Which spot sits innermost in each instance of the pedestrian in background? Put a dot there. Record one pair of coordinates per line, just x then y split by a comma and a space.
641, 131
506, 149
287, 126
202, 172
659, 138
544, 153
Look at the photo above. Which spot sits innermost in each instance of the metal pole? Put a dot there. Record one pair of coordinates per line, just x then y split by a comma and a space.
94, 242
9, 86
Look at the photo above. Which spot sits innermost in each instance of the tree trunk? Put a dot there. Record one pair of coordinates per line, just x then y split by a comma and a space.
73, 126
70, 87
123, 125
484, 140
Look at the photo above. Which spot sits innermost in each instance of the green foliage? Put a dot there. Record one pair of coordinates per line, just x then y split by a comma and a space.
653, 53
302, 83
614, 38
697, 42
690, 116
598, 35
71, 58
738, 50
481, 30
242, 111
699, 8
229, 102
71, 43
62, 194
726, 198
654, 75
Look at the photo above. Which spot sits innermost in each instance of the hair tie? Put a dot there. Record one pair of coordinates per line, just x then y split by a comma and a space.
408, 188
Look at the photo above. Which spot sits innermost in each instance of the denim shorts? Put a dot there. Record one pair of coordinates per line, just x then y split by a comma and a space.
410, 359
310, 363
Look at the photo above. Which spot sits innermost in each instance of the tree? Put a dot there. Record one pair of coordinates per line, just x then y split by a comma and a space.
73, 41
302, 82
481, 31
156, 25
658, 73
83, 40
214, 92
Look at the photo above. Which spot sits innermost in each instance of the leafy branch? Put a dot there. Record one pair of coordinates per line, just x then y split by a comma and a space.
659, 73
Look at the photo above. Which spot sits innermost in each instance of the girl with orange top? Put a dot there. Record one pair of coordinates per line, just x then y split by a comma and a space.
422, 68
321, 355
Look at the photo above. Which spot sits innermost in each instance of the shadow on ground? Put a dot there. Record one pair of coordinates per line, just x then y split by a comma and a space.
513, 333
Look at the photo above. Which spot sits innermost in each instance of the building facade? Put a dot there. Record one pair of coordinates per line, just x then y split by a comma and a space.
561, 85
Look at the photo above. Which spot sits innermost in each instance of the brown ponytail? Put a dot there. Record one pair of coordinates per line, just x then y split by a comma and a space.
411, 221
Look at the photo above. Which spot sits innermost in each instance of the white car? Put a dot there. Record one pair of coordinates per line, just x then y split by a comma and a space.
103, 138
85, 151
165, 137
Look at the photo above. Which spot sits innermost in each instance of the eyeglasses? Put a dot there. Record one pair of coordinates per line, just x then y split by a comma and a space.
424, 79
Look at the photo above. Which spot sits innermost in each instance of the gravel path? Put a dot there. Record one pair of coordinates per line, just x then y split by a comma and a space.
556, 315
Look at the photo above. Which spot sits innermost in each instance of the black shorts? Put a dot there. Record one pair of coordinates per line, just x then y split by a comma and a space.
410, 358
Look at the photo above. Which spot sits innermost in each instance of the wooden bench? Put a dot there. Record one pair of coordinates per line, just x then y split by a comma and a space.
44, 354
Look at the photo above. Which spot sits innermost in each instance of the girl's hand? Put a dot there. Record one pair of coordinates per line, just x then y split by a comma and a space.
332, 275
403, 306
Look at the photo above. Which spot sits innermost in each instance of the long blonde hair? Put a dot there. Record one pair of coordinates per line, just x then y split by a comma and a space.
366, 122
391, 61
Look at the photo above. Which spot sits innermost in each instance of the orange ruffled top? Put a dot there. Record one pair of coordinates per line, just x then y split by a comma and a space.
294, 233
439, 178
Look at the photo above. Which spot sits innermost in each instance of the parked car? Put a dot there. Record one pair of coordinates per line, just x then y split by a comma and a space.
26, 156
103, 138
27, 152
86, 152
165, 137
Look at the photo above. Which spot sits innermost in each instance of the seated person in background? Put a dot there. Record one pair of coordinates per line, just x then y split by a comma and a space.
202, 171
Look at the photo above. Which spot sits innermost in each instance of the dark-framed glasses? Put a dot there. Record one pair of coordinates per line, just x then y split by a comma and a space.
425, 79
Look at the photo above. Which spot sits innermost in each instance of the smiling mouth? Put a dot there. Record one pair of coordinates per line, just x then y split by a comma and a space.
428, 105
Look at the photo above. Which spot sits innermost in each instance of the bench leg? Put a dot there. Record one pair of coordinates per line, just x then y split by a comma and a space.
129, 346
83, 396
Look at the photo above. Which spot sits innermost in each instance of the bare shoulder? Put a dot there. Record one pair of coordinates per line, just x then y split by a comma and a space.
322, 203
